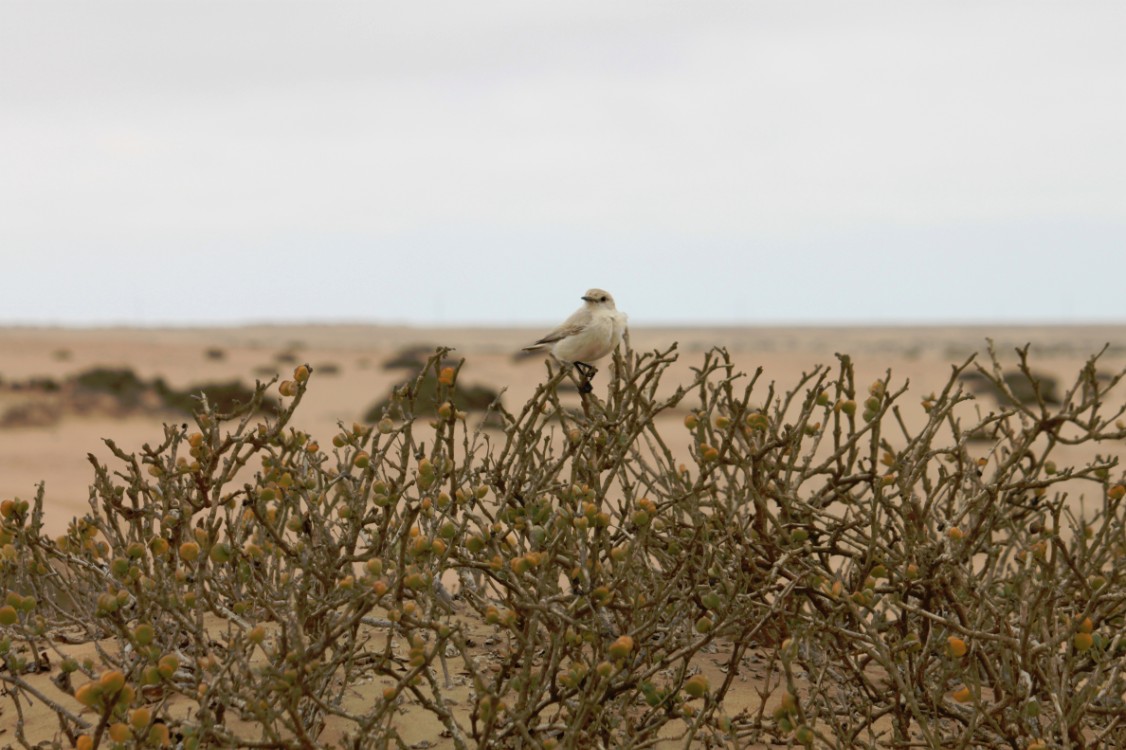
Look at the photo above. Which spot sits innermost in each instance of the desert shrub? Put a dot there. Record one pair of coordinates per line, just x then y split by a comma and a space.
1015, 387
129, 390
915, 589
121, 391
424, 392
953, 591
44, 384
120, 382
38, 383
413, 358
227, 396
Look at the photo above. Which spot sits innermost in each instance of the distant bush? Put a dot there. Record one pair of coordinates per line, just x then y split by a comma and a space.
225, 397
129, 390
121, 383
425, 389
44, 383
423, 385
413, 358
121, 391
1019, 387
912, 589
37, 410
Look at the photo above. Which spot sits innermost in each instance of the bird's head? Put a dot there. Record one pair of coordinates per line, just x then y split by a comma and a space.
598, 298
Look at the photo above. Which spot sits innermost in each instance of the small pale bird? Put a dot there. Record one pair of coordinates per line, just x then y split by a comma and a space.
588, 335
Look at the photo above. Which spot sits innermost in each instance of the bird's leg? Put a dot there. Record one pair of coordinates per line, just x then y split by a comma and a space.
586, 372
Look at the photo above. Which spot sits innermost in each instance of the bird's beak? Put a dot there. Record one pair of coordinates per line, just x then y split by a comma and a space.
584, 298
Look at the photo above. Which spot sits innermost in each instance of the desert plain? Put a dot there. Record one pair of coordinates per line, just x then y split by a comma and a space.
45, 440
348, 362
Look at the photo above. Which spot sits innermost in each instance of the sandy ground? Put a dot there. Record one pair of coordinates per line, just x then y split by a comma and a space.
57, 453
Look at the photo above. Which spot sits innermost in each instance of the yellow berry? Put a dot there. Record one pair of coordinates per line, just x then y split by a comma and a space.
621, 648
112, 681
89, 694
696, 686
144, 634
168, 665
220, 553
140, 717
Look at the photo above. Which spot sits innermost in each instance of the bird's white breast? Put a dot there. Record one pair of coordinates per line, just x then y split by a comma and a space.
594, 342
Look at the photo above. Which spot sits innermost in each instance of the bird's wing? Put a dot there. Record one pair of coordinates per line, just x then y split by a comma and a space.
573, 325
558, 334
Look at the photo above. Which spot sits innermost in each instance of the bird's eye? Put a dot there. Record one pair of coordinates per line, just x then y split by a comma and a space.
603, 298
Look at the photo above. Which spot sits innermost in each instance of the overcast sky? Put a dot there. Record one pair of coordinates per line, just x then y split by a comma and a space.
421, 162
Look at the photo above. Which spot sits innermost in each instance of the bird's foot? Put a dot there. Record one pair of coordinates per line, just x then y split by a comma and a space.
585, 370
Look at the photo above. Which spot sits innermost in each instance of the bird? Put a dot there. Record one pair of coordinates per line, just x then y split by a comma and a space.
592, 332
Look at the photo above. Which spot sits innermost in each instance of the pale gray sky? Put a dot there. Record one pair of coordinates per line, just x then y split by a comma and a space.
727, 162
